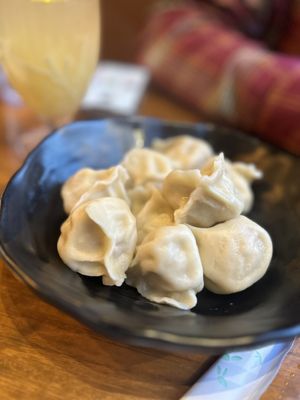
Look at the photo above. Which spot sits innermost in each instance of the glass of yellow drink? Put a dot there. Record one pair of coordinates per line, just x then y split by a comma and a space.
49, 50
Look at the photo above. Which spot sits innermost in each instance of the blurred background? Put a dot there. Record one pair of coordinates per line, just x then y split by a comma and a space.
234, 62
123, 22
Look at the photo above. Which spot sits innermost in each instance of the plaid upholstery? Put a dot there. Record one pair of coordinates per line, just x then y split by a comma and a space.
290, 40
197, 55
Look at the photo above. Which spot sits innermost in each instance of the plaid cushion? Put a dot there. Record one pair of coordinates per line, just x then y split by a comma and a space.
201, 59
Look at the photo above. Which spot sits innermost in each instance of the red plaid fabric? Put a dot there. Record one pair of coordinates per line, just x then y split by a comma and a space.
260, 19
290, 40
196, 55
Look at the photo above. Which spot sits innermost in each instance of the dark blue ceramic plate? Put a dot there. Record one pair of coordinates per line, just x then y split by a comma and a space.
32, 212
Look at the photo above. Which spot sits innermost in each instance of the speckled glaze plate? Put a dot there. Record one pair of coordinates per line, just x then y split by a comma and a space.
32, 212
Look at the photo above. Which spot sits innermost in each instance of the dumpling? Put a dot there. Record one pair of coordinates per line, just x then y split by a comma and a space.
85, 178
113, 184
167, 267
178, 186
214, 200
234, 254
140, 194
98, 239
249, 171
155, 213
144, 165
186, 152
77, 184
242, 175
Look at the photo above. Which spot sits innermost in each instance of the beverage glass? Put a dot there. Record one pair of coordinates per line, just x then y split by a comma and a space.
49, 50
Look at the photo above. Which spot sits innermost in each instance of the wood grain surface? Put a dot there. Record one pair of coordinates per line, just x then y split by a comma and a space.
45, 354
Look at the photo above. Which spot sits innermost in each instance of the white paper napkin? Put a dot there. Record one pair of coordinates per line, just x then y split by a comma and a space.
117, 88
241, 375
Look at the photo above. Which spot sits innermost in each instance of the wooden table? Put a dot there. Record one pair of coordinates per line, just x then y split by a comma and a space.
45, 354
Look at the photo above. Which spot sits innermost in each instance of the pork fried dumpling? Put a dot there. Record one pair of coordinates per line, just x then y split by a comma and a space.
144, 165
242, 175
186, 152
178, 186
214, 200
167, 267
155, 213
234, 254
112, 178
98, 239
112, 184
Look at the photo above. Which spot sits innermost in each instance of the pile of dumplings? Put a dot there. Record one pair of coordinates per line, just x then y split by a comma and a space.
168, 220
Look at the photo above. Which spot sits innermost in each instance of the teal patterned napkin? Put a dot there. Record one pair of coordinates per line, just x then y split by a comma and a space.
242, 375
